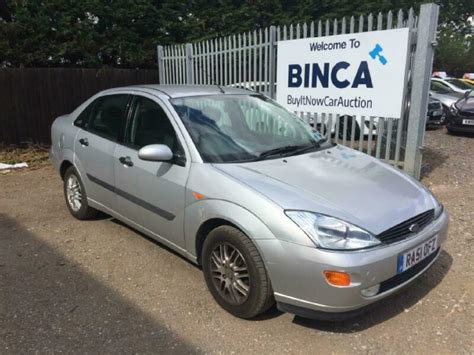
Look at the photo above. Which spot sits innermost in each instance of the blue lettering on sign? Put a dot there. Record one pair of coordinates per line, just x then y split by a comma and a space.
294, 76
362, 76
337, 83
312, 75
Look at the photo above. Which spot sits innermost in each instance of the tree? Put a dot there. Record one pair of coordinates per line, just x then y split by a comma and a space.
124, 33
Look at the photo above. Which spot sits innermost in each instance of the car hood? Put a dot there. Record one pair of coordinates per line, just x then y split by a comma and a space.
339, 182
447, 99
466, 104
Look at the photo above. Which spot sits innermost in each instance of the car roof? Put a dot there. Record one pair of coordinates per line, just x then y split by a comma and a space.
174, 91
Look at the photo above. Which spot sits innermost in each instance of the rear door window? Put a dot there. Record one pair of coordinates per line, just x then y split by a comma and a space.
108, 115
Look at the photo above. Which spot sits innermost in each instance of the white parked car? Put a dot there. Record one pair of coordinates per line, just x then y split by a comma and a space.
454, 84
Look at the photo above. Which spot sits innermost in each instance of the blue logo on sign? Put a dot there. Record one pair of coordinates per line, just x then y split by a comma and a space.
376, 53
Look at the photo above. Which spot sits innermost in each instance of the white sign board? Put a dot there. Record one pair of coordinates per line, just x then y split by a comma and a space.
359, 73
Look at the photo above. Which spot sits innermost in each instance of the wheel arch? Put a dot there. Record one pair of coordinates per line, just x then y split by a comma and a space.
65, 164
204, 231
206, 215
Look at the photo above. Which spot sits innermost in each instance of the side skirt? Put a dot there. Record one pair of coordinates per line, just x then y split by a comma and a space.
142, 229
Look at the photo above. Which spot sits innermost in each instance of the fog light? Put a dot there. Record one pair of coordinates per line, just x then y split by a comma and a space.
370, 291
338, 278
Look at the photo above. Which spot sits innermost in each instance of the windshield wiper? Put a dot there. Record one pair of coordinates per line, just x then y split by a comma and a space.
309, 147
287, 149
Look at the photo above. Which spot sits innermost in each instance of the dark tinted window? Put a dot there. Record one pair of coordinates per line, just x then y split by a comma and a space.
107, 115
460, 84
83, 118
150, 125
440, 88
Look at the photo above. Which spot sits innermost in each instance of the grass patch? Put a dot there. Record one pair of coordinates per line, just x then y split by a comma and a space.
36, 156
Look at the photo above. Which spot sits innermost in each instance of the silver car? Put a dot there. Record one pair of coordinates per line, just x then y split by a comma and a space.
446, 95
232, 181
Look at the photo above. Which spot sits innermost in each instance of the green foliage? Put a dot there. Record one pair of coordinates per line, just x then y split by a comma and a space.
124, 33
455, 53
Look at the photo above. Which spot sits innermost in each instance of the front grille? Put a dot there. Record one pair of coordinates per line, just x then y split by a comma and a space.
466, 114
406, 275
434, 105
402, 230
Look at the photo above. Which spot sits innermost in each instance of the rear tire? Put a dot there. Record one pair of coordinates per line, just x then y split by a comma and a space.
235, 273
76, 197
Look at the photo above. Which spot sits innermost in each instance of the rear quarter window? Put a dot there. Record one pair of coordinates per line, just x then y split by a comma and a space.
83, 118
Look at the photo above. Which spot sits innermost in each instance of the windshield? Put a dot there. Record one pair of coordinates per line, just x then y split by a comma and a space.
460, 84
238, 128
440, 88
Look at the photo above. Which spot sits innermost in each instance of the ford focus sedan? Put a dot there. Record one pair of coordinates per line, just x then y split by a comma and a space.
270, 209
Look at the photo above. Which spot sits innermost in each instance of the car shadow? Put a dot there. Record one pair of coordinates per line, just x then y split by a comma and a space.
154, 241
462, 134
51, 304
389, 307
271, 313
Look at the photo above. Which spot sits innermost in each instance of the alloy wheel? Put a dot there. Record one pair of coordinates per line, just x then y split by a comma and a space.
74, 193
230, 274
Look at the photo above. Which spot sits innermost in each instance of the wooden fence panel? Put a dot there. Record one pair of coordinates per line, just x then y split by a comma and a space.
30, 98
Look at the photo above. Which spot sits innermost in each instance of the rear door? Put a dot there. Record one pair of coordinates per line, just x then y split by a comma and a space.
152, 194
101, 124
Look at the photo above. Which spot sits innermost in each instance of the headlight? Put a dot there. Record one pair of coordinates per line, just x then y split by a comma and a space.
453, 109
438, 209
332, 233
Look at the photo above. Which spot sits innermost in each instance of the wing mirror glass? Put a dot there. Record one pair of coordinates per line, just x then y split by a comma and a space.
155, 152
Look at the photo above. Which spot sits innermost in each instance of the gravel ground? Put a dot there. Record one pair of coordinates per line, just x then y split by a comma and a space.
100, 287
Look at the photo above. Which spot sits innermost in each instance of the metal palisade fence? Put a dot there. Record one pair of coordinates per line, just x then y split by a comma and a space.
249, 60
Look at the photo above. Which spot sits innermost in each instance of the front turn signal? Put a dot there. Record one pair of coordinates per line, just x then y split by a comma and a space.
338, 278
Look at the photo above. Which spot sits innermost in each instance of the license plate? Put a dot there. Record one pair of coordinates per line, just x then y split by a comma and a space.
417, 254
468, 122
437, 113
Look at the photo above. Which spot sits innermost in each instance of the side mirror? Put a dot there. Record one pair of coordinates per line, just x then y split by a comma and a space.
155, 152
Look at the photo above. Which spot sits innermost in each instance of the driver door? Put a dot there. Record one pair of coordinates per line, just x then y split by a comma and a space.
151, 194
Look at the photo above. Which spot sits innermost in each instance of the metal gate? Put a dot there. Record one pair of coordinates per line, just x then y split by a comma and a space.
248, 60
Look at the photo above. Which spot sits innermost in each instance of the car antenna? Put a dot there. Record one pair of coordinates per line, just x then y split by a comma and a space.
221, 89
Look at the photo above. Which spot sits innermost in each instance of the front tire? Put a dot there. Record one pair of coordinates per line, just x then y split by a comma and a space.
76, 197
235, 273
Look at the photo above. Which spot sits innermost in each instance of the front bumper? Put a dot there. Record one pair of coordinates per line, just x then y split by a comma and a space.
458, 127
296, 272
455, 123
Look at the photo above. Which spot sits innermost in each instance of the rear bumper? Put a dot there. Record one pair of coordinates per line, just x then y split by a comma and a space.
297, 275
54, 159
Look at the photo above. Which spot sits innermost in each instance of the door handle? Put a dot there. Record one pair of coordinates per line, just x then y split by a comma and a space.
84, 142
126, 161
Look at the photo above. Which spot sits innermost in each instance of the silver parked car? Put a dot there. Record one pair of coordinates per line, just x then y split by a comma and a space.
237, 184
446, 95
